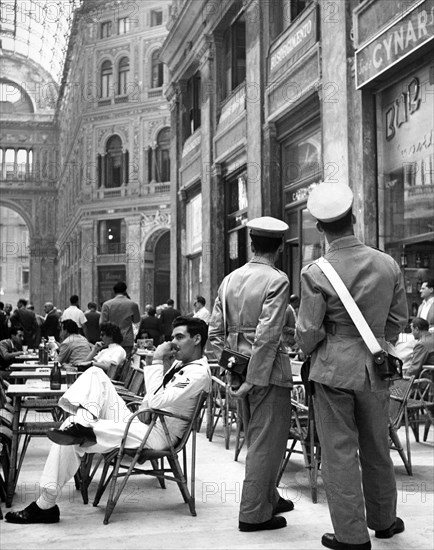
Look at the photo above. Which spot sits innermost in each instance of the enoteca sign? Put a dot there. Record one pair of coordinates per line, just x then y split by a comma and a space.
402, 37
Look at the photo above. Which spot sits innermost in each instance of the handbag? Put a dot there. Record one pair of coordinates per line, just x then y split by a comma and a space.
232, 361
389, 367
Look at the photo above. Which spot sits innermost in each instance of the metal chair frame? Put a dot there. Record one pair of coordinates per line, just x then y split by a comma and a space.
140, 455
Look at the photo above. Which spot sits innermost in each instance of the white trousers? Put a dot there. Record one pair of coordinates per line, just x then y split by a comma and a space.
106, 413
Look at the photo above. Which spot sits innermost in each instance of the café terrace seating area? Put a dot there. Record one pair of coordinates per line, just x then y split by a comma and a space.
155, 511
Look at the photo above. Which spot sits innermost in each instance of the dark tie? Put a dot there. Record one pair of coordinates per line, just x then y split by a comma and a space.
170, 374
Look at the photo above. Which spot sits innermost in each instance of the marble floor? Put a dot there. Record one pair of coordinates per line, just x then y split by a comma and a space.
149, 517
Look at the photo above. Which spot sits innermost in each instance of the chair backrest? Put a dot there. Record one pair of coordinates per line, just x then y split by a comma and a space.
399, 392
193, 424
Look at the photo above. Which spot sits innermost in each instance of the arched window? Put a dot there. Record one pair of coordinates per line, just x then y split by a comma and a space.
13, 99
106, 78
113, 166
163, 156
157, 76
124, 68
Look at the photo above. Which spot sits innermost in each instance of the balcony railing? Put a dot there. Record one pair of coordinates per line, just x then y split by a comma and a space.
111, 248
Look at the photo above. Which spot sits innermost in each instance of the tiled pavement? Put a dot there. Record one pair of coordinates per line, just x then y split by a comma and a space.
149, 517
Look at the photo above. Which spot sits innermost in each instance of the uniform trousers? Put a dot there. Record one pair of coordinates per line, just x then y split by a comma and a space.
266, 416
93, 402
356, 466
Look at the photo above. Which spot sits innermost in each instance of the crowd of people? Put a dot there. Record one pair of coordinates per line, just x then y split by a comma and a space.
253, 315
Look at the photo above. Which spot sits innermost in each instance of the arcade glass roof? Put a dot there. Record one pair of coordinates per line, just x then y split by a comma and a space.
39, 30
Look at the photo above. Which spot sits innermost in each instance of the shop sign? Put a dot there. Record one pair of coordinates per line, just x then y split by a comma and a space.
403, 37
298, 40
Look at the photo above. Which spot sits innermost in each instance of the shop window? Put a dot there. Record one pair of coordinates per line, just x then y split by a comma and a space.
163, 156
406, 168
106, 79
234, 55
156, 18
111, 237
124, 68
236, 219
105, 29
112, 167
192, 105
157, 70
194, 225
123, 25
25, 277
301, 169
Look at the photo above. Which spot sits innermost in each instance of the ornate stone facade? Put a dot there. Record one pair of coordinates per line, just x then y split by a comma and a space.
76, 196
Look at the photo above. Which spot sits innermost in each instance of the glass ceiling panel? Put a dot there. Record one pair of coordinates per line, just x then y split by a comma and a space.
39, 30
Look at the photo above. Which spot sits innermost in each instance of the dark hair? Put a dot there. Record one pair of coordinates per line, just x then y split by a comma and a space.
201, 300
113, 331
339, 225
15, 328
152, 311
74, 299
92, 305
120, 287
429, 283
70, 326
22, 301
265, 245
194, 326
2, 305
420, 323
170, 302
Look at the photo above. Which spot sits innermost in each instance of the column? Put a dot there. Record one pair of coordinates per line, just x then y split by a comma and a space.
133, 257
87, 259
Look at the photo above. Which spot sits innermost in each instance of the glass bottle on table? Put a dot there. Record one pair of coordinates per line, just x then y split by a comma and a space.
55, 377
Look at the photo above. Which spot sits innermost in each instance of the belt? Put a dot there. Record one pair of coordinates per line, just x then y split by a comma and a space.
345, 330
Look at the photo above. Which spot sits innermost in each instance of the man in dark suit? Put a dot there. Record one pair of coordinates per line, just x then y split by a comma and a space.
26, 319
167, 316
351, 400
51, 324
150, 327
92, 326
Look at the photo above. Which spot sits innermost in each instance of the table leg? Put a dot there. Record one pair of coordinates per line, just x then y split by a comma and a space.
12, 477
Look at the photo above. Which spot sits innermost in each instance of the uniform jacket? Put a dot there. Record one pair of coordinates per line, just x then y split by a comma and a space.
180, 394
123, 312
375, 282
256, 300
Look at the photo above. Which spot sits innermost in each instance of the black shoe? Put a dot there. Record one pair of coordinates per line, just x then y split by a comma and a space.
273, 523
34, 514
75, 434
330, 541
283, 506
396, 527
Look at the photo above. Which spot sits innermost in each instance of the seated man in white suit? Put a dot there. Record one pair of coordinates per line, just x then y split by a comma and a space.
99, 415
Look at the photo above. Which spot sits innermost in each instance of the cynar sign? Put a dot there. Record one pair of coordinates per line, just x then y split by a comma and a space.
398, 40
